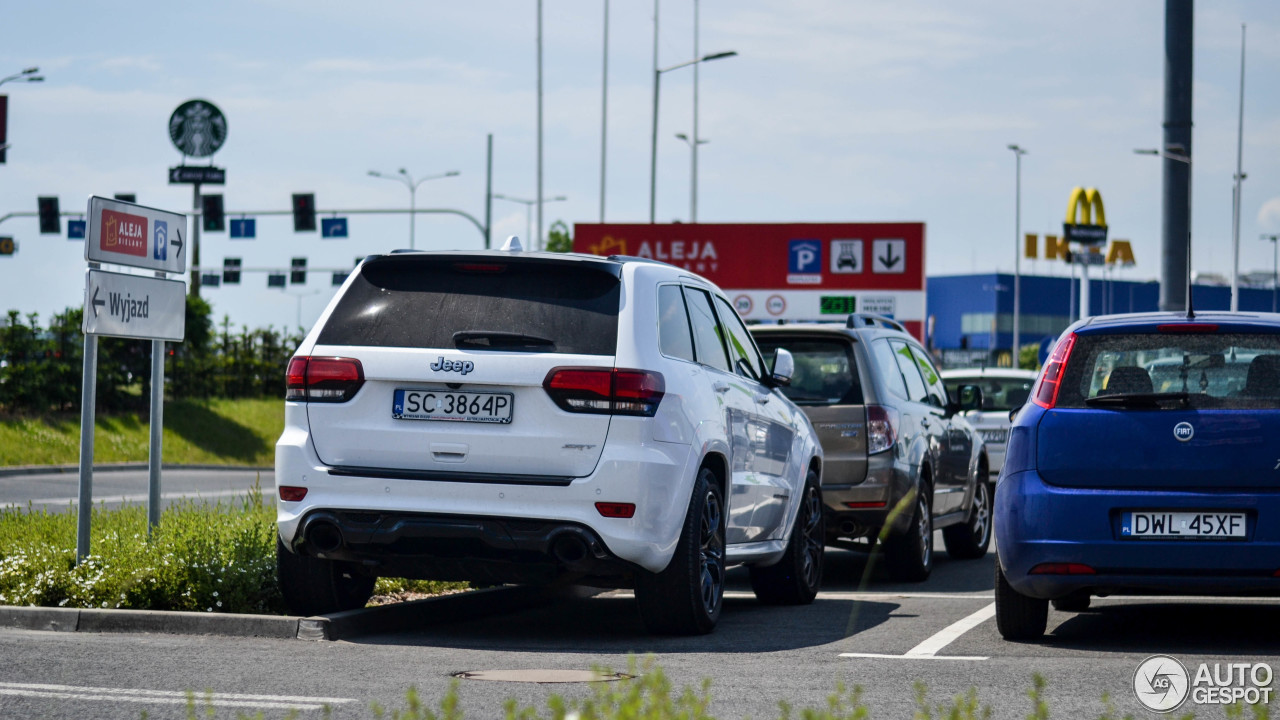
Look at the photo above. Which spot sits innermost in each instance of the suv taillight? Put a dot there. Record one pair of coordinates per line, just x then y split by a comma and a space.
606, 391
323, 379
1046, 392
882, 428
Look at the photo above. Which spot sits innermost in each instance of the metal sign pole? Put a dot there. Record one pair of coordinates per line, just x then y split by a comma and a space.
88, 394
196, 222
157, 432
1084, 285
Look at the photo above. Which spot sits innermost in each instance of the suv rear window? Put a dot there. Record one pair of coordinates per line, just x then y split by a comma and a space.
825, 372
421, 302
1172, 372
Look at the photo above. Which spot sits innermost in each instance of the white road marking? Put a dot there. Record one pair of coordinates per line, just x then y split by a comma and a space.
864, 595
915, 657
928, 650
952, 632
169, 697
130, 498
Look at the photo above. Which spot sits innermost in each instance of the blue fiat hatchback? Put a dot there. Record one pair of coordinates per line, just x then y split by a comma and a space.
1146, 461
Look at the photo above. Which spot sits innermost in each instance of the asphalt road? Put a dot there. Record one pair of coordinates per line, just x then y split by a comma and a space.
59, 491
880, 636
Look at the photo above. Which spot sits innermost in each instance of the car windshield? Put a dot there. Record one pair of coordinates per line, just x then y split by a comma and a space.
1168, 371
998, 394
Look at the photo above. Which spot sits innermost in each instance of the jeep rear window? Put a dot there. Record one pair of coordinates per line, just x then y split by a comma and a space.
1166, 371
421, 302
825, 372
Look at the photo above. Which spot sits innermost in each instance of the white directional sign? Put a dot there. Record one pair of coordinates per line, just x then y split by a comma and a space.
888, 256
130, 234
134, 306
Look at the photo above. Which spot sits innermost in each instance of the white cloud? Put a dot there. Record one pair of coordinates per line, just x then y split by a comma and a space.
1269, 214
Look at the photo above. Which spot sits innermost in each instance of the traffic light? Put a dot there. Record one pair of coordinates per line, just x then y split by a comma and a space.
304, 212
212, 213
275, 280
50, 222
231, 271
7, 246
298, 271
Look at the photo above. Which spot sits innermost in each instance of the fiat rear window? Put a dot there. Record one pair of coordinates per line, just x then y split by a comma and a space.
1159, 371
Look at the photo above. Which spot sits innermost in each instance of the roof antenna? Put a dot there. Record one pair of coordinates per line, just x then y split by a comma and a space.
1191, 314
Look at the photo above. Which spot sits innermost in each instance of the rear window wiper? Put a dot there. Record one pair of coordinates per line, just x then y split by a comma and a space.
1138, 400
498, 340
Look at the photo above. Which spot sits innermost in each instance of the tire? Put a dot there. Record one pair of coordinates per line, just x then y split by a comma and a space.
1075, 602
795, 579
970, 539
910, 555
686, 597
312, 586
1018, 617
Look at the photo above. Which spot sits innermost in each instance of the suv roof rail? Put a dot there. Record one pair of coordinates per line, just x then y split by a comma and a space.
857, 320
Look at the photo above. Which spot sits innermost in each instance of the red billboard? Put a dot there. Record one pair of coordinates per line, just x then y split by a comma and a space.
787, 271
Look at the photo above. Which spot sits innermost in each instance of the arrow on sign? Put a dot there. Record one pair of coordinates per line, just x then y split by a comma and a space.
97, 303
177, 240
888, 259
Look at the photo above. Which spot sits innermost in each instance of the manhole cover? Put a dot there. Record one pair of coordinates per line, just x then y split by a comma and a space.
541, 676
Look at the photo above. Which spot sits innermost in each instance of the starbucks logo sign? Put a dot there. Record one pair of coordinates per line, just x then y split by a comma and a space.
198, 128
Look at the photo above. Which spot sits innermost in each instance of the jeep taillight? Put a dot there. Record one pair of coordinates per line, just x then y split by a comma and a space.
1046, 392
882, 428
323, 379
606, 391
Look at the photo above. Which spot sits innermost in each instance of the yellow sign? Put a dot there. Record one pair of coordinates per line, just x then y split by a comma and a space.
1029, 246
1091, 200
1093, 229
1055, 248
1120, 251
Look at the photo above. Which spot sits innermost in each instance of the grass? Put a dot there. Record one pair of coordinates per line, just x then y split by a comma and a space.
216, 432
645, 693
201, 557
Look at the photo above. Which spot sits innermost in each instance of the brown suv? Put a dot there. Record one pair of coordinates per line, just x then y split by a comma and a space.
901, 460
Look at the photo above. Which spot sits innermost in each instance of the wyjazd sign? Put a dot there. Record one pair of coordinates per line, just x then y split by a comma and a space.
134, 306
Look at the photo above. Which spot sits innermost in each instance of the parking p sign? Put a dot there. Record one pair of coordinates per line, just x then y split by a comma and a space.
804, 262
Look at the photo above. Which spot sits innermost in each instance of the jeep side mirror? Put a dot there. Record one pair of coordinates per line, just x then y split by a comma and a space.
784, 366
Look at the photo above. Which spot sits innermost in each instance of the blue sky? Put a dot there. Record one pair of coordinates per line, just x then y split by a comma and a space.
833, 110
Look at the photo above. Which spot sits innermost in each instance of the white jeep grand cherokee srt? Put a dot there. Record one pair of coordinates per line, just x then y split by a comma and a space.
513, 417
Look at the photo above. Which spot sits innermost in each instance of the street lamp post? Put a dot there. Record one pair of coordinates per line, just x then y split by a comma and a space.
410, 182
1275, 266
1018, 152
27, 75
528, 213
653, 149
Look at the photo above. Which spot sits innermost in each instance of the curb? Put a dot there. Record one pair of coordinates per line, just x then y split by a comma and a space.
398, 617
11, 470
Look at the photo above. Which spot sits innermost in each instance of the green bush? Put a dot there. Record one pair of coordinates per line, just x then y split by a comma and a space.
201, 557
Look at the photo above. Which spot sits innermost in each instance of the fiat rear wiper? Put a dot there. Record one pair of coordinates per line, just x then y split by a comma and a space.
1138, 400
498, 340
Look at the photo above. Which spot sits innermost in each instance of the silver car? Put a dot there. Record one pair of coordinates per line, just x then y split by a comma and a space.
1003, 390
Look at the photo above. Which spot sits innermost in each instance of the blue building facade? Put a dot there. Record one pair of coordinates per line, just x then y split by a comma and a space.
975, 312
